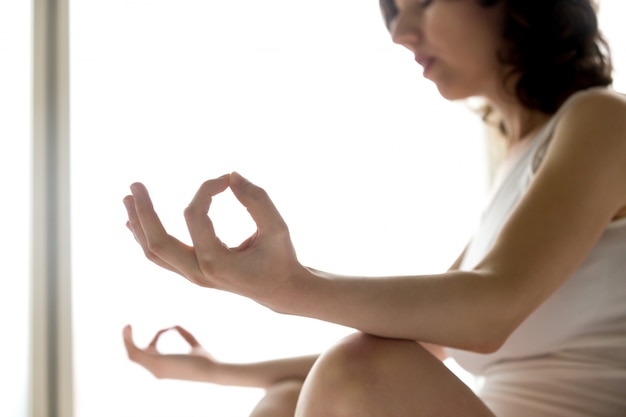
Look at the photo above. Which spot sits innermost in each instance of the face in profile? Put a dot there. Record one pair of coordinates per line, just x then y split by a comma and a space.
456, 42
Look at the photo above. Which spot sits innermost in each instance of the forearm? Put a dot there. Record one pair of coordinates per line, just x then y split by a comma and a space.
262, 374
455, 309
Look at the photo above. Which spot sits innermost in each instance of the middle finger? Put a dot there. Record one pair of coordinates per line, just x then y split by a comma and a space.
159, 242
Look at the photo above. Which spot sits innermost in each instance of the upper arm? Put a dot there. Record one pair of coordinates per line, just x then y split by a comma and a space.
579, 187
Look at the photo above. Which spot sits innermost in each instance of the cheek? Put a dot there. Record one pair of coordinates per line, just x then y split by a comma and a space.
475, 52
470, 32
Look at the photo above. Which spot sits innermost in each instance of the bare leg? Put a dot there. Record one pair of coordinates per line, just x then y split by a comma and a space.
279, 401
369, 376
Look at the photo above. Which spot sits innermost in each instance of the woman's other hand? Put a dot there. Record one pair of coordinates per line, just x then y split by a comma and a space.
197, 365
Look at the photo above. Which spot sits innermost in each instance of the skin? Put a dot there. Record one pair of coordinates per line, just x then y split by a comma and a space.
199, 365
581, 182
440, 31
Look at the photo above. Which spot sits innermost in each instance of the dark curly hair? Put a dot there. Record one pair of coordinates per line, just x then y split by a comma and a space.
554, 46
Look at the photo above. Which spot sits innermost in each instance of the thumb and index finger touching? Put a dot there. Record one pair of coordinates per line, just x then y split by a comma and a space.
251, 196
131, 346
257, 202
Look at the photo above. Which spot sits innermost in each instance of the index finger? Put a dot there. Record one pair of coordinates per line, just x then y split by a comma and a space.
258, 203
199, 224
187, 336
153, 343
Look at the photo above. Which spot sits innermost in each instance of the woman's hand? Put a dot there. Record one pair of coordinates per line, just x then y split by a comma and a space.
264, 267
197, 365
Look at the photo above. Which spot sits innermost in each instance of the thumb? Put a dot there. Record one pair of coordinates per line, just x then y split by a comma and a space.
129, 343
257, 202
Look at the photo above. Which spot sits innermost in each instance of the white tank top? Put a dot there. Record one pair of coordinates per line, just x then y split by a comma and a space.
588, 311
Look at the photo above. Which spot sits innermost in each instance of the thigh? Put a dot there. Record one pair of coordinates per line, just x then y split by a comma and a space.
370, 376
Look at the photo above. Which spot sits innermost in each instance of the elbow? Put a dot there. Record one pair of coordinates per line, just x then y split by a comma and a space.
488, 344
483, 342
497, 330
491, 333
497, 312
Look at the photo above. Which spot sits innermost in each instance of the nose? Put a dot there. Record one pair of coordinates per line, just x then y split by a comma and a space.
406, 32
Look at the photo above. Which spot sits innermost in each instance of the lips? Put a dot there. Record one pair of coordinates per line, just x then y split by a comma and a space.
424, 60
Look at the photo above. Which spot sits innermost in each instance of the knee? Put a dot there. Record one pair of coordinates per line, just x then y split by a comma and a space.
360, 358
348, 374
354, 357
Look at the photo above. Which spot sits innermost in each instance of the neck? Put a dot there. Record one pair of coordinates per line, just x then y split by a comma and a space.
520, 122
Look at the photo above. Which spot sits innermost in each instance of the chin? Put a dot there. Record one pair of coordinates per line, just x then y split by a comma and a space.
453, 93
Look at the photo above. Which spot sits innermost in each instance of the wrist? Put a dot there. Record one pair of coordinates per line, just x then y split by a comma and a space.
299, 296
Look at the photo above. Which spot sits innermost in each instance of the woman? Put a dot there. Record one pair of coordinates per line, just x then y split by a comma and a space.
537, 301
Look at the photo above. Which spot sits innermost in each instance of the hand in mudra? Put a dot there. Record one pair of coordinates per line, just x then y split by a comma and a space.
263, 267
197, 365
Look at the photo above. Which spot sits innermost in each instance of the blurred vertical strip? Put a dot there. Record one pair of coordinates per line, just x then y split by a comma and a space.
51, 339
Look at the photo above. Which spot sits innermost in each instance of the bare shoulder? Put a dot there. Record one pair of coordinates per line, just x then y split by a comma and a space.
599, 110
599, 97
589, 142
594, 123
